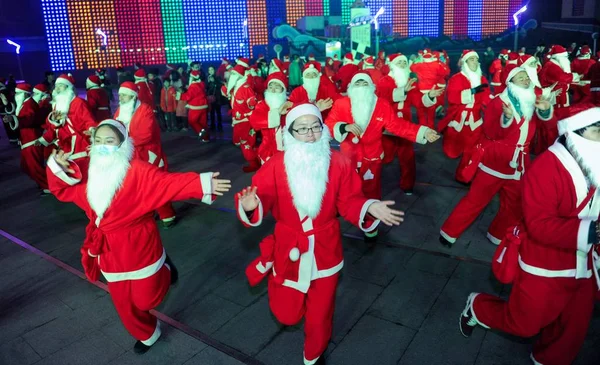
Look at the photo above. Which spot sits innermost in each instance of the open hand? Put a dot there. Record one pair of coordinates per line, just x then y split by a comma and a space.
431, 135
219, 186
542, 104
285, 107
354, 129
507, 110
410, 85
382, 211
62, 159
324, 104
56, 115
89, 132
557, 92
435, 92
248, 198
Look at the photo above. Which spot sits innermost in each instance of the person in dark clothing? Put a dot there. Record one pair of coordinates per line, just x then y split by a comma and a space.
156, 87
7, 107
49, 80
123, 75
213, 94
101, 73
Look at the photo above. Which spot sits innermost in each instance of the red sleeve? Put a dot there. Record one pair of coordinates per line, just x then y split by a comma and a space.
141, 130
266, 191
259, 119
85, 120
298, 96
337, 117
92, 100
385, 89
455, 89
28, 116
398, 126
64, 186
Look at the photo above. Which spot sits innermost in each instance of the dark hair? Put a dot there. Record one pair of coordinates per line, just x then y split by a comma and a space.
114, 129
48, 73
581, 130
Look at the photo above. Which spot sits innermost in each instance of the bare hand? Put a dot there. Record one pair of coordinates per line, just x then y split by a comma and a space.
558, 92
542, 104
435, 92
56, 115
248, 198
354, 129
382, 211
285, 107
324, 104
431, 135
37, 143
62, 159
410, 85
508, 112
219, 186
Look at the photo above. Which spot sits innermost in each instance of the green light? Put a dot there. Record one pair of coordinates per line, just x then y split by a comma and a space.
174, 31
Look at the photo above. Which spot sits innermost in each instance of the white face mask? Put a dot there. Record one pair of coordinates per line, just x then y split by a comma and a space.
104, 149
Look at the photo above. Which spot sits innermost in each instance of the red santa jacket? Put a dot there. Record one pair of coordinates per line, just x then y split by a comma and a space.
145, 133
326, 90
30, 128
464, 107
195, 96
269, 122
317, 241
594, 77
145, 93
123, 241
259, 87
398, 97
344, 76
369, 146
168, 100
496, 70
44, 109
243, 103
558, 207
69, 133
430, 74
550, 74
99, 104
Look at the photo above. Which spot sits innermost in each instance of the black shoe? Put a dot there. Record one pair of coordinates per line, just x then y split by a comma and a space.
445, 242
320, 361
174, 272
372, 238
467, 320
169, 224
139, 348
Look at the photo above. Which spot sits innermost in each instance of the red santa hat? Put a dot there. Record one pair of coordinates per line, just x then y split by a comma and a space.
509, 72
195, 76
279, 78
243, 61
229, 67
558, 51
118, 125
583, 116
468, 53
381, 54
396, 58
369, 62
66, 79
301, 110
503, 53
23, 88
528, 61
361, 76
140, 74
312, 67
311, 57
513, 58
41, 88
239, 69
584, 51
224, 61
427, 55
128, 88
348, 57
276, 66
92, 81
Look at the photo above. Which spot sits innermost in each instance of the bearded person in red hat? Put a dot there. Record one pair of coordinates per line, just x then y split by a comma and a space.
305, 188
197, 105
97, 98
557, 280
276, 65
144, 90
42, 98
139, 119
345, 73
509, 125
398, 89
222, 68
496, 70
316, 89
429, 73
366, 117
468, 93
269, 116
581, 66
369, 67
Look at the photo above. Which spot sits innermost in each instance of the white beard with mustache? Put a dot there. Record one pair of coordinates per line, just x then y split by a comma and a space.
564, 63
533, 75
362, 102
275, 100
473, 76
106, 175
399, 74
312, 87
526, 98
126, 111
307, 170
37, 97
232, 82
19, 100
585, 152
62, 101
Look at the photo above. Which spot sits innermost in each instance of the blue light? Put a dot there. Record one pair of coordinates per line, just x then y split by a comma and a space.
474, 20
58, 34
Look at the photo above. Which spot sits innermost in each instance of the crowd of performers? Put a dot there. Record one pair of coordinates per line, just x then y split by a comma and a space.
114, 168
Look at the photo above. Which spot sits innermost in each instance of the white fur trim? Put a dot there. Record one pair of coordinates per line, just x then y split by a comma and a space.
363, 213
155, 336
310, 362
244, 216
337, 134
427, 102
421, 135
144, 272
43, 142
273, 118
206, 183
277, 81
470, 302
571, 165
264, 268
533, 360
562, 54
467, 97
60, 173
63, 81
550, 115
494, 240
538, 271
127, 91
300, 110
399, 94
448, 238
579, 120
469, 55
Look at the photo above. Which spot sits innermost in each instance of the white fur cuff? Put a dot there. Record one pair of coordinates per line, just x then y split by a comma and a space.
467, 97
421, 135
206, 184
273, 118
398, 94
427, 102
337, 134
363, 213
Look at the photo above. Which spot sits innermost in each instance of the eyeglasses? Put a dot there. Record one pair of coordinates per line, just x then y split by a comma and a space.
304, 131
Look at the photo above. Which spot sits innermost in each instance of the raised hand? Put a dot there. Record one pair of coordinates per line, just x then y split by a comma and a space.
285, 107
324, 104
431, 135
220, 186
354, 129
62, 159
248, 198
435, 92
382, 211
508, 112
410, 85
542, 104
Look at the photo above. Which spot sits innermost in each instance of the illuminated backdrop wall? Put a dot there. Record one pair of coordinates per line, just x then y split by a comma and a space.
173, 31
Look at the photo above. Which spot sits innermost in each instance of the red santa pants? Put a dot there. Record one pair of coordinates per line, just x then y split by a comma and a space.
460, 143
316, 306
426, 116
133, 300
370, 173
32, 163
198, 120
559, 308
395, 146
245, 137
482, 191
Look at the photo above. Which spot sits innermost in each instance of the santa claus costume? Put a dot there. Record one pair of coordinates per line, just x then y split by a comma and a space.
594, 77
144, 90
345, 73
197, 104
496, 70
277, 65
429, 73
557, 280
30, 130
581, 66
268, 118
468, 94
222, 68
141, 126
328, 69
97, 99
122, 241
314, 89
380, 62
258, 83
304, 188
369, 67
7, 110
398, 89
505, 145
42, 98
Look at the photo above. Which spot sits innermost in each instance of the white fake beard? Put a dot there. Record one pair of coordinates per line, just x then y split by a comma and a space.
126, 111
399, 74
312, 87
106, 175
533, 75
473, 76
275, 100
307, 169
232, 81
62, 101
19, 99
585, 152
37, 97
362, 103
526, 98
564, 63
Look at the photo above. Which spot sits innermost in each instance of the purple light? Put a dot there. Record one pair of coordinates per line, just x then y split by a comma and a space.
104, 36
519, 12
18, 46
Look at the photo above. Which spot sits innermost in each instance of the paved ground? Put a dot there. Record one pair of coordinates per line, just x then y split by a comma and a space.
397, 303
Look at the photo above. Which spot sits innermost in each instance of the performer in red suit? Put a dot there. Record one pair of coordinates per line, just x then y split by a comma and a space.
97, 99
144, 90
316, 89
594, 77
329, 69
258, 83
398, 89
305, 188
553, 292
141, 125
581, 66
429, 73
42, 98
277, 66
269, 116
366, 116
468, 93
197, 103
122, 241
509, 125
345, 73
222, 68
369, 67
496, 70
380, 62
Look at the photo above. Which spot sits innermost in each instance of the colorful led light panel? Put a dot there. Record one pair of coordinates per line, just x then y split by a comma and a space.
477, 19
387, 5
174, 30
313, 7
58, 33
424, 18
257, 18
295, 11
400, 17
